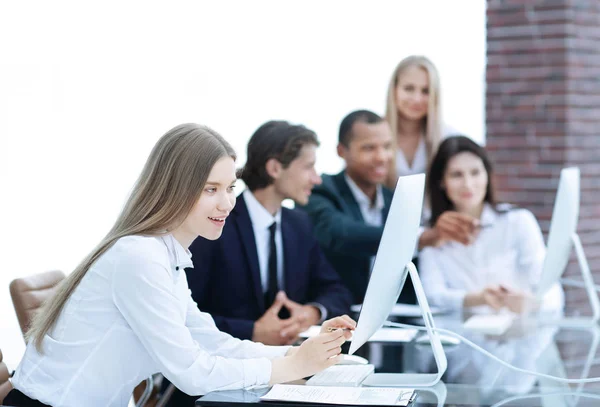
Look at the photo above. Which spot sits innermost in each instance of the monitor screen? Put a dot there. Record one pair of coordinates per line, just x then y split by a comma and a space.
562, 227
396, 250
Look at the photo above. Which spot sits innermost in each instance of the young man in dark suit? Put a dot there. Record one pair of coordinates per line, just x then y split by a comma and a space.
266, 278
349, 209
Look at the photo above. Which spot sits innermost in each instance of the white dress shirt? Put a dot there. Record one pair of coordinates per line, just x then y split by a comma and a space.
261, 220
372, 212
510, 252
419, 163
131, 316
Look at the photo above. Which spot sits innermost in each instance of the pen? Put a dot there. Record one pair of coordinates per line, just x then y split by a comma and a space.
335, 329
483, 225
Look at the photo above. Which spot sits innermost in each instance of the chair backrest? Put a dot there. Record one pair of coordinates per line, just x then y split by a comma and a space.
5, 385
29, 293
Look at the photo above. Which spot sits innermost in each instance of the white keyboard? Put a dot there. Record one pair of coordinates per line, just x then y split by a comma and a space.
342, 375
489, 324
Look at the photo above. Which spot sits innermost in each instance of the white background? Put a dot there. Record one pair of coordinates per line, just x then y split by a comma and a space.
86, 90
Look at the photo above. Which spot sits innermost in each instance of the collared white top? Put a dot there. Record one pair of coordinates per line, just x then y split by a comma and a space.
261, 221
132, 316
419, 163
372, 213
510, 251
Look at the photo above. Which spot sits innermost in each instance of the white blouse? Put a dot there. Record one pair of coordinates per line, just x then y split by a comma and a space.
132, 316
419, 163
510, 251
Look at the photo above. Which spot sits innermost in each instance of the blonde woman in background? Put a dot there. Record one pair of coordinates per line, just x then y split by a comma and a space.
413, 111
126, 312
414, 114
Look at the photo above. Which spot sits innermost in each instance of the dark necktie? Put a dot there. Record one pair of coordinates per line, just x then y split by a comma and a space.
272, 286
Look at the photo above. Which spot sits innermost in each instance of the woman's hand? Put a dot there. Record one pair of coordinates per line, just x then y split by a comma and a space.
450, 226
318, 353
314, 355
344, 322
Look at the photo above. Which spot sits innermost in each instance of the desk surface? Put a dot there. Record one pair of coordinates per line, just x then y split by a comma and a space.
473, 379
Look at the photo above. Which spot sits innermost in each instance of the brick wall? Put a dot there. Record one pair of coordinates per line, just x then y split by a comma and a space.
543, 110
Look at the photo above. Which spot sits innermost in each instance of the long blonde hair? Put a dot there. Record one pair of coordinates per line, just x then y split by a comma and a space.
168, 187
432, 123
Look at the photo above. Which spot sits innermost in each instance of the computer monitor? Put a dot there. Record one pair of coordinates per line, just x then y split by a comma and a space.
562, 227
392, 266
561, 238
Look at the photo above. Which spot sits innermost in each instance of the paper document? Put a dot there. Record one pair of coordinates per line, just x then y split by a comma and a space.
404, 310
382, 335
372, 396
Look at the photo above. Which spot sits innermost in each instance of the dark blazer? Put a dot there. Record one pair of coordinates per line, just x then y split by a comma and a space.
347, 241
225, 281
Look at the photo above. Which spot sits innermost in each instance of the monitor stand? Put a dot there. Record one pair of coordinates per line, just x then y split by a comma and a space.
588, 281
415, 380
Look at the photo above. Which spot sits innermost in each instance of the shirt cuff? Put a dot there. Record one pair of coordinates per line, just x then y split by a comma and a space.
321, 308
257, 372
272, 352
455, 300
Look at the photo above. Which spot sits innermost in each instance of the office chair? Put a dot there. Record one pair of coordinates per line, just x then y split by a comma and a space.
5, 385
29, 293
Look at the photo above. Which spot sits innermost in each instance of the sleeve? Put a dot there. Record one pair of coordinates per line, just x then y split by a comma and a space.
238, 327
144, 292
530, 246
434, 282
326, 287
338, 231
532, 253
204, 331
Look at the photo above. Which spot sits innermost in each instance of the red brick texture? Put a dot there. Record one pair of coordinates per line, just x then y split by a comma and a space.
543, 110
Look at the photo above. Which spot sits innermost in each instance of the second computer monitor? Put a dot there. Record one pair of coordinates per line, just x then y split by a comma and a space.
562, 227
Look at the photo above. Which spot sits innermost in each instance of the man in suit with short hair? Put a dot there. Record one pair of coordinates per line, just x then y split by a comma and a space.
349, 209
266, 278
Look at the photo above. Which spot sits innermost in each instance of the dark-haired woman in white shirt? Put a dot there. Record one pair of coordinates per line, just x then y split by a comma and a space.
126, 313
501, 265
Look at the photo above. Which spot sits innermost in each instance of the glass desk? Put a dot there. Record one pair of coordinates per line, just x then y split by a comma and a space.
473, 379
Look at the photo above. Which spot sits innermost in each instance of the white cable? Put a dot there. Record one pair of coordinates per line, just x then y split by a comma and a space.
488, 354
539, 395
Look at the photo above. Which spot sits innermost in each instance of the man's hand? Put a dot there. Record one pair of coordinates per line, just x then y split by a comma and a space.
306, 315
450, 226
271, 330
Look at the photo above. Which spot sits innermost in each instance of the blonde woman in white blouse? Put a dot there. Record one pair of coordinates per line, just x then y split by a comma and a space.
414, 113
126, 312
500, 266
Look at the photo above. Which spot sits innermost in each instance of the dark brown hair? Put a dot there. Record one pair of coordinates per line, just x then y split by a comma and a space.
450, 147
274, 139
